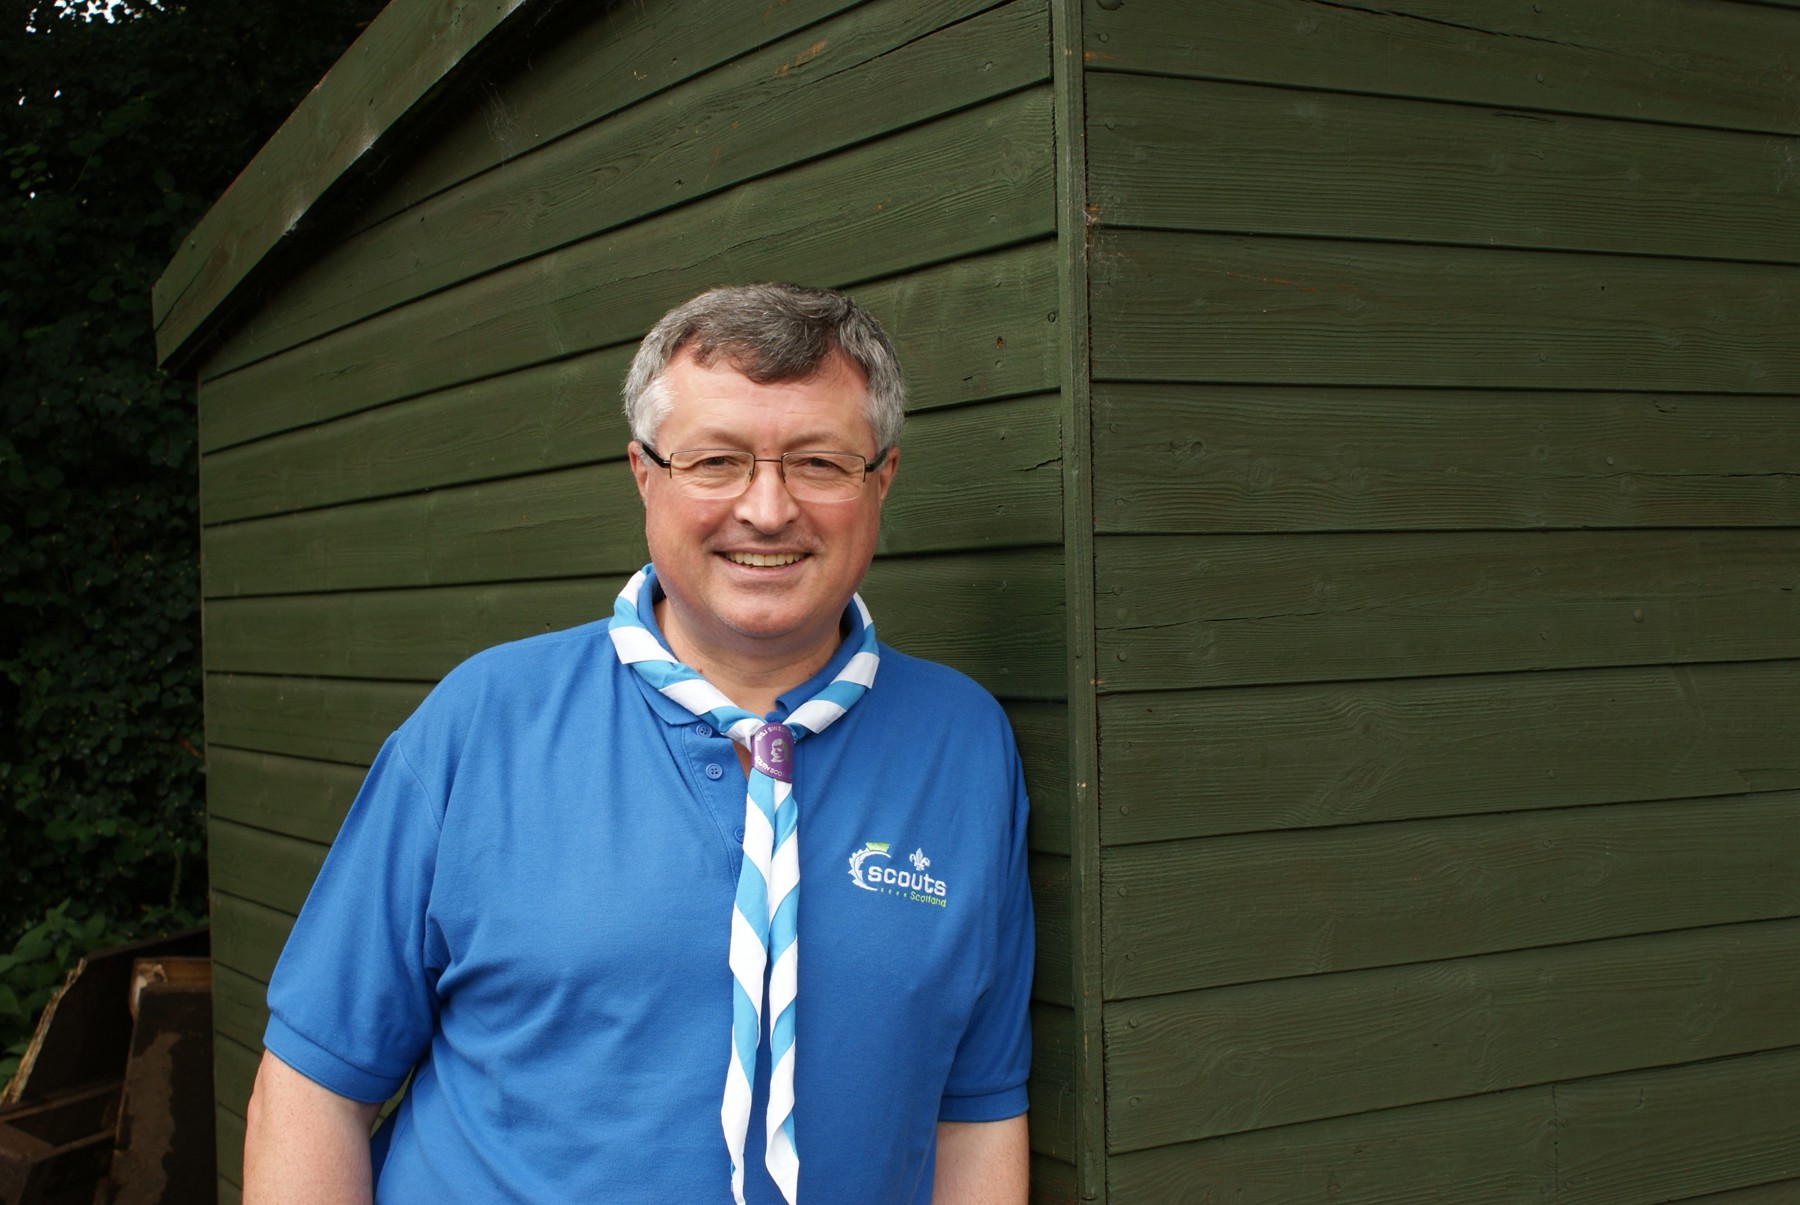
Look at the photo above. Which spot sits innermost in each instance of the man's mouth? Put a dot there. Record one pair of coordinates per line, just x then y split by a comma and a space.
763, 560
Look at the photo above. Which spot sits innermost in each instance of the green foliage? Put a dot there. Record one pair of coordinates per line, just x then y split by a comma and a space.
115, 136
34, 970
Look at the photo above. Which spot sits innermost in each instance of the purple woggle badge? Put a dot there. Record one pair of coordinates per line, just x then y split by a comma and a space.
772, 752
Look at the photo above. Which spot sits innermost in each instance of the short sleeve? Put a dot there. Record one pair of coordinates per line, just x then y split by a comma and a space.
352, 1003
993, 1060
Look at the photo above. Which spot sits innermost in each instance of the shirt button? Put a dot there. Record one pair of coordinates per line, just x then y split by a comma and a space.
737, 834
702, 730
714, 770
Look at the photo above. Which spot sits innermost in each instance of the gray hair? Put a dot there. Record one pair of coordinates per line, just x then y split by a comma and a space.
771, 333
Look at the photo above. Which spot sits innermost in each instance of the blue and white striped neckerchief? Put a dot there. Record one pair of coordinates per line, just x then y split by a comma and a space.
763, 933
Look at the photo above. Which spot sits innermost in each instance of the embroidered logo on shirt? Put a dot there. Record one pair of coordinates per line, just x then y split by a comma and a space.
884, 877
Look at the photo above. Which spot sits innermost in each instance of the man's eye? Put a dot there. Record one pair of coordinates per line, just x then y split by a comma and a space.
819, 464
715, 464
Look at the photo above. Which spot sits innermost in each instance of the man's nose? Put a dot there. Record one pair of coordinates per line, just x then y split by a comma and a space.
766, 504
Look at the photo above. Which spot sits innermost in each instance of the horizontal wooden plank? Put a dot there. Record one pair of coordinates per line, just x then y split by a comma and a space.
1052, 1180
1316, 311
859, 76
1783, 1193
262, 867
1178, 612
968, 330
1671, 1132
229, 1135
1052, 902
1177, 154
987, 476
330, 720
240, 1007
1042, 732
571, 72
1232, 1059
1500, 1146
974, 182
1189, 458
248, 937
286, 795
234, 1071
1735, 66
1183, 915
409, 52
1052, 1116
1258, 758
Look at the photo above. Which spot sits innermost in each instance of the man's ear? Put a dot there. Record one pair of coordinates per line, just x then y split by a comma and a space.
641, 468
884, 476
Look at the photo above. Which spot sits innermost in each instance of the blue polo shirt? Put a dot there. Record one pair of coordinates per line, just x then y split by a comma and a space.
528, 909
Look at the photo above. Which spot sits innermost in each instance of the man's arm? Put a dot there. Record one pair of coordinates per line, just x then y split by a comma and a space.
982, 1163
304, 1144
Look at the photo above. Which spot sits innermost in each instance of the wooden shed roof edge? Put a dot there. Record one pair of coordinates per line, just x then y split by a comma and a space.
386, 78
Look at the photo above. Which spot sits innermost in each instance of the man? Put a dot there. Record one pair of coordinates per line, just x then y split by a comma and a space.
567, 903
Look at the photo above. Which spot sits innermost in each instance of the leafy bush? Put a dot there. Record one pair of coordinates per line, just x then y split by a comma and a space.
115, 135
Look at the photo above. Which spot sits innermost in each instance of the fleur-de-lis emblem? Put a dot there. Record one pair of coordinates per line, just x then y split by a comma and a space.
919, 860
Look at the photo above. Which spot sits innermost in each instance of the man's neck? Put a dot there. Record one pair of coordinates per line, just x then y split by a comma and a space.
751, 681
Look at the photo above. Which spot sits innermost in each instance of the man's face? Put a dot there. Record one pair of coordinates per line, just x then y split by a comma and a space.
760, 578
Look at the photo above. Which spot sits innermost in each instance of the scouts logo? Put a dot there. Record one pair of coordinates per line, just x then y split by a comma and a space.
882, 876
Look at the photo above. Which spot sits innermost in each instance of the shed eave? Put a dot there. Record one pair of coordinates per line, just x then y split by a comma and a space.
386, 81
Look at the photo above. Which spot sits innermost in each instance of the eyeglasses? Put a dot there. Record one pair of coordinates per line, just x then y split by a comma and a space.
722, 473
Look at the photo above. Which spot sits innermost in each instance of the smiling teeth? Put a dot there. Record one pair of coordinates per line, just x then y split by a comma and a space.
763, 560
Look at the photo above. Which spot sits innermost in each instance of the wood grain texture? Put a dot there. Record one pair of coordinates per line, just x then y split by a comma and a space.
1184, 915
1191, 155
234, 1071
1178, 612
262, 867
341, 721
1672, 1132
1052, 1181
1233, 1059
1735, 66
974, 182
286, 795
1782, 1193
1041, 730
1052, 1117
229, 1134
972, 329
602, 60
247, 936
887, 65
240, 1010
1052, 902
1193, 458
1261, 758
1313, 311
1496, 1147
409, 51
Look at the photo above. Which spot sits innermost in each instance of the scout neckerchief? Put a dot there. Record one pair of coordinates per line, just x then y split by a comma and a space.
768, 889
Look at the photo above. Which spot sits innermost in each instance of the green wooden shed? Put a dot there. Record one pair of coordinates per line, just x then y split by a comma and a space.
1360, 445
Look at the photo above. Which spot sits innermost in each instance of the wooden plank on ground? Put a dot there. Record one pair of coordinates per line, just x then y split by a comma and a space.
1052, 1116
1499, 1146
888, 65
247, 936
1735, 66
262, 867
287, 795
1182, 915
1193, 307
409, 52
330, 720
1193, 458
1671, 1132
972, 329
1178, 612
970, 478
974, 182
1176, 154
1234, 1059
1257, 758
